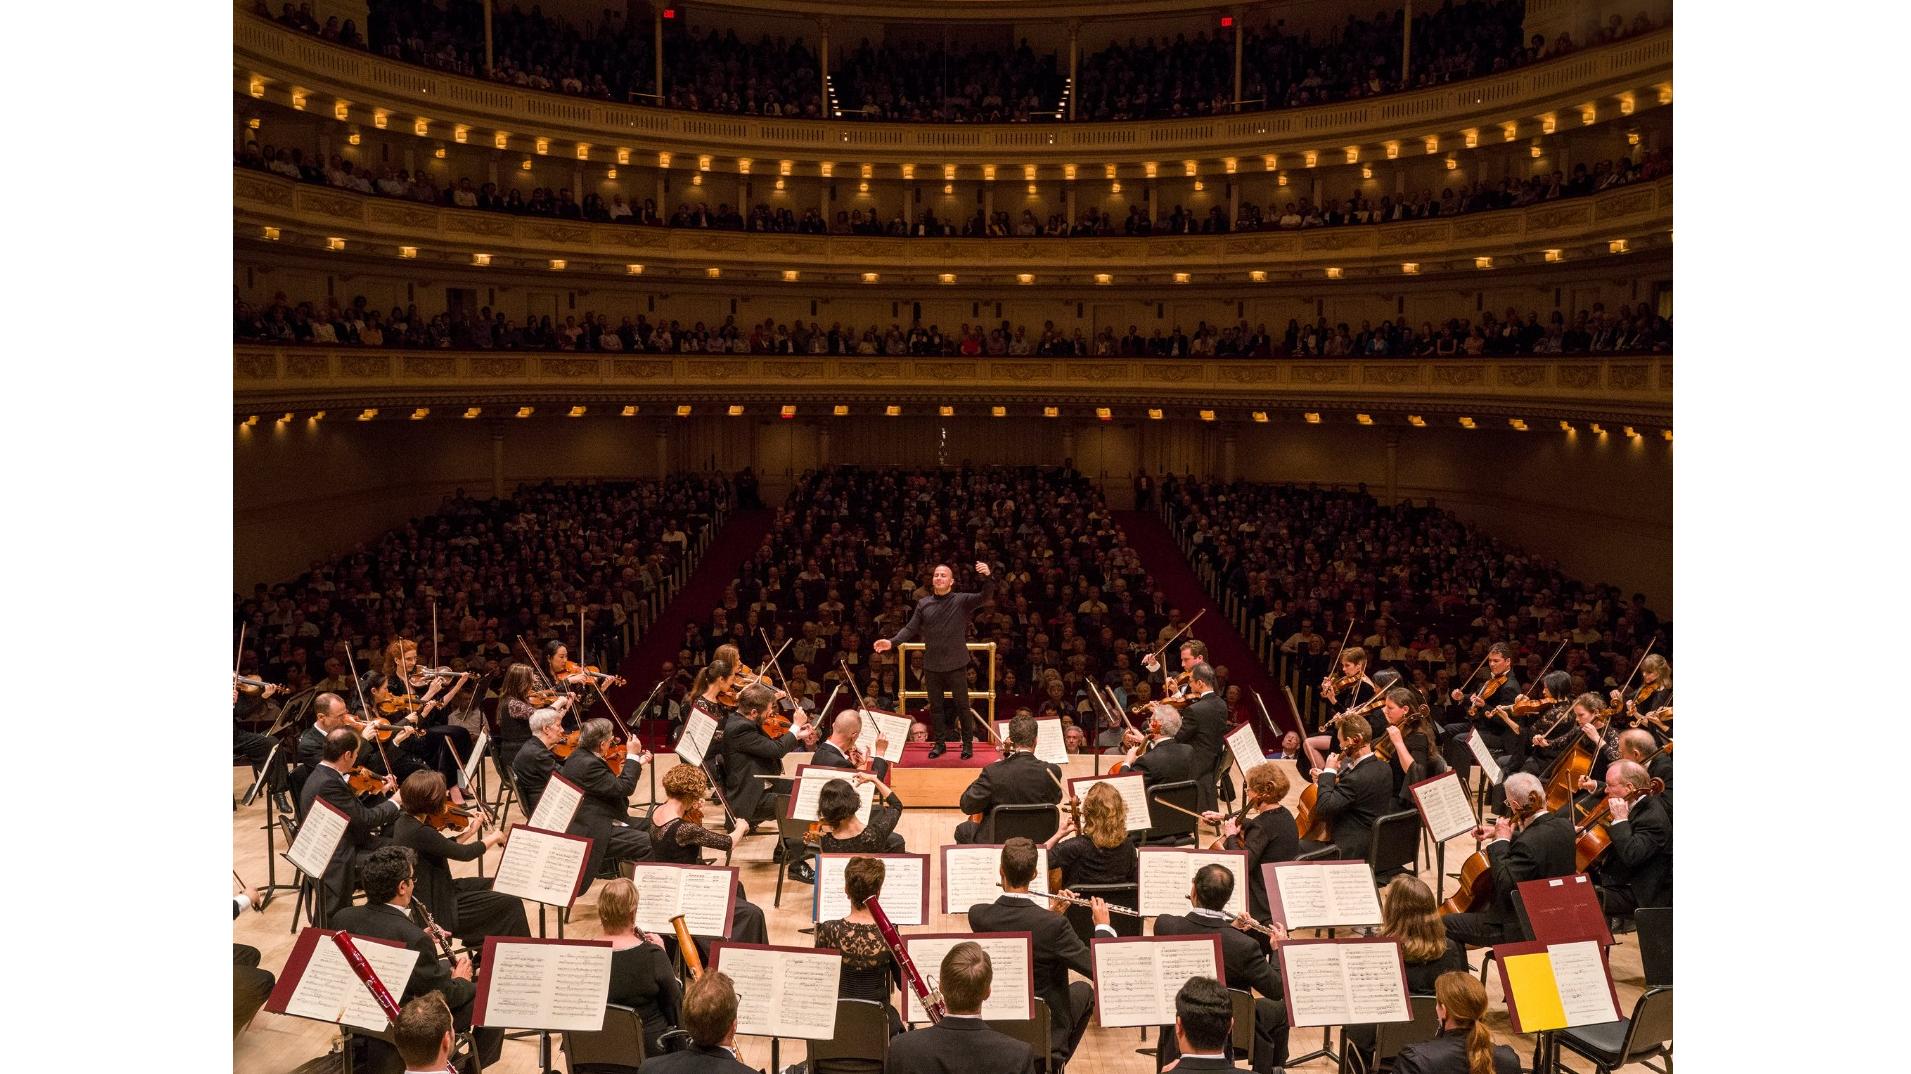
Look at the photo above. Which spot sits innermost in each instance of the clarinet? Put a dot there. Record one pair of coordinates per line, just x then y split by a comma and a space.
931, 1001
432, 930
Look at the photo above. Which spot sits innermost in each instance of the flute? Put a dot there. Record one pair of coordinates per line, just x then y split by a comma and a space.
1076, 901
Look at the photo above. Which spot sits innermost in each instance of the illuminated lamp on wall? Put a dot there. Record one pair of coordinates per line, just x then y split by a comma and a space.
526, 164
1154, 413
298, 100
1626, 104
1393, 150
697, 179
785, 167
1364, 419
713, 272
1353, 154
1631, 433
471, 412
743, 165
1310, 158
1468, 423
663, 160
1410, 268
871, 277
998, 412
1282, 179
558, 263
623, 155
1197, 186
788, 411
368, 413
1207, 415
1312, 417
946, 277
988, 172
253, 123
1433, 144
736, 410
1510, 130
1366, 171
1518, 424
1149, 168
543, 146
1333, 273
481, 260
408, 252
335, 243
421, 127
946, 411
1666, 434
583, 151
353, 138
840, 410
577, 412
256, 87
909, 171
1033, 190
526, 411
271, 234
1453, 164
1416, 421
1103, 279
703, 163
892, 411
250, 421
948, 171
790, 275
1548, 124
1472, 139
1115, 187
862, 187
629, 412
1182, 277
341, 111
1617, 246
1482, 262
1257, 275
1555, 255
1051, 412
948, 188
1231, 165
1260, 417
440, 154
1596, 428
1105, 413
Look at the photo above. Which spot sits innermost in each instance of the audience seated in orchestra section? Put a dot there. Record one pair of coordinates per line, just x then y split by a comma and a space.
607, 547
1425, 593
1285, 213
358, 323
853, 549
1157, 75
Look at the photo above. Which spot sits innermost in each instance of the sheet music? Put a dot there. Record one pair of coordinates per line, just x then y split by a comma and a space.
557, 805
531, 985
468, 775
1051, 743
1136, 982
1009, 995
328, 985
971, 872
699, 727
902, 894
541, 866
1167, 874
1444, 808
1245, 747
1309, 895
701, 894
807, 788
318, 838
893, 730
1484, 757
1376, 985
783, 991
1585, 989
1133, 788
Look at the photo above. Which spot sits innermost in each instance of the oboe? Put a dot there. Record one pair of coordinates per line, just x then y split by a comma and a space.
931, 1001
1073, 900
692, 961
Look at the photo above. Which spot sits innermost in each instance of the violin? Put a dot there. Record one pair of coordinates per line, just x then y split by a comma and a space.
1492, 685
365, 781
393, 704
542, 699
449, 816
257, 684
1416, 721
776, 725
741, 677
381, 730
572, 667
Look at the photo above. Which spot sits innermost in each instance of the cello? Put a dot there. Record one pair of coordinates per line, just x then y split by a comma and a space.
1476, 874
1592, 837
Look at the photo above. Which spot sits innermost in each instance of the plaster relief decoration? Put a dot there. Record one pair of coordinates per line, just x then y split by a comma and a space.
1485, 225
1579, 376
1632, 201
794, 370
1322, 374
345, 208
1183, 248
255, 367
1098, 371
497, 368
870, 370
1175, 374
1630, 377
359, 366
431, 368
1249, 374
1665, 377
1412, 236
1389, 374
723, 370
409, 216
641, 368
643, 238
308, 366
476, 223
557, 233
568, 368
1522, 376
258, 188
1548, 219
947, 370
1459, 376
1333, 240
1021, 372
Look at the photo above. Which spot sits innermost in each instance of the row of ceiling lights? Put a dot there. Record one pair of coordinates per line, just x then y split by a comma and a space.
1332, 272
1471, 138
893, 410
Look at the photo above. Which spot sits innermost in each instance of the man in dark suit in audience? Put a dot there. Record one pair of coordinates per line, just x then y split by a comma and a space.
710, 1017
962, 1043
1203, 1024
328, 783
389, 878
1356, 789
1537, 847
1020, 778
1637, 869
1247, 966
535, 762
1171, 760
604, 813
1056, 947
749, 754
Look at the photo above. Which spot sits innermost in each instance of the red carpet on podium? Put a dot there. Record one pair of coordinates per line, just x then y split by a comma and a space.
916, 755
734, 543
1159, 553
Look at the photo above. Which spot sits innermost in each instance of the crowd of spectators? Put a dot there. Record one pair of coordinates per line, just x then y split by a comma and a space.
611, 59
1425, 593
393, 181
496, 570
281, 322
852, 550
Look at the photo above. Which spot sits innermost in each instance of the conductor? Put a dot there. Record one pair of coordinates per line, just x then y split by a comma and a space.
941, 620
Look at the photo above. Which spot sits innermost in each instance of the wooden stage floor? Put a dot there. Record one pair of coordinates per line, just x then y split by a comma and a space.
275, 1044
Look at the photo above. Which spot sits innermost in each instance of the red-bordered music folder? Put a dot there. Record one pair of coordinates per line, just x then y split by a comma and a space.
570, 998
1565, 909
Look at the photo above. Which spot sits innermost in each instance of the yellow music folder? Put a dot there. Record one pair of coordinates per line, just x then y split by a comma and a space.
1556, 986
1530, 987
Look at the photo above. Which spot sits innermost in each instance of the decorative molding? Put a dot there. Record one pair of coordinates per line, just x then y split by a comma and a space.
362, 366
497, 368
1626, 377
1322, 374
570, 368
430, 367
255, 367
1522, 376
1578, 376
1390, 374
1459, 376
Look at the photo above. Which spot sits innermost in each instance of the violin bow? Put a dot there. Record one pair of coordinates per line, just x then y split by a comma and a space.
434, 632
1175, 637
239, 656
352, 666
535, 670
1637, 664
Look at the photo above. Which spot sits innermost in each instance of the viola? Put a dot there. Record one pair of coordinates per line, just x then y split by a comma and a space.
564, 747
1492, 685
572, 667
449, 816
776, 725
1415, 721
365, 781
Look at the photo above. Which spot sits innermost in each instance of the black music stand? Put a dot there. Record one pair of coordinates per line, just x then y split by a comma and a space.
270, 826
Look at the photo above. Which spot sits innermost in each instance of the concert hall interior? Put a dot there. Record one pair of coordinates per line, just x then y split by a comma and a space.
790, 447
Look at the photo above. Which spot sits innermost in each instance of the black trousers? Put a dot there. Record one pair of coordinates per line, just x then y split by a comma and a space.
1476, 929
483, 912
948, 701
250, 985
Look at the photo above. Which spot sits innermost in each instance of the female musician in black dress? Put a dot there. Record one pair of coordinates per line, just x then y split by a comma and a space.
1102, 853
677, 835
641, 975
842, 833
404, 692
869, 970
464, 906
1269, 835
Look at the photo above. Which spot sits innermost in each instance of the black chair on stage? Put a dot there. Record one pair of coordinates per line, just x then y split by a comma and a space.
1645, 1035
861, 1043
1168, 827
1034, 822
616, 1048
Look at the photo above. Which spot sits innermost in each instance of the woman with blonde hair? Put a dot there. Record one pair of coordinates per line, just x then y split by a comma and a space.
1465, 1045
1648, 703
641, 975
1268, 836
677, 835
1409, 913
1102, 853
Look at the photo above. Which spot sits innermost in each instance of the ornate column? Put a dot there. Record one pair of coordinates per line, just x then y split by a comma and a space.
1238, 14
657, 47
1406, 45
822, 65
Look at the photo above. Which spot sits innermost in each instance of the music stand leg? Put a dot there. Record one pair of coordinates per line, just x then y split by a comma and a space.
1439, 872
271, 859
776, 1055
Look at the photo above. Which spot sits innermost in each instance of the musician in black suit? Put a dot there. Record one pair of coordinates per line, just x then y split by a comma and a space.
1169, 760
1470, 711
1532, 844
839, 751
749, 754
1638, 746
425, 1034
1269, 836
531, 769
1056, 947
1355, 790
710, 1017
1636, 869
961, 1043
1245, 960
604, 813
1020, 778
1203, 1024
389, 880
1203, 723
327, 782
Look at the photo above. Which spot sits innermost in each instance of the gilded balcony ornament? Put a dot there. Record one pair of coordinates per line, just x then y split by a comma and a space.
569, 368
1249, 374
1389, 374
641, 368
1021, 372
308, 366
1632, 201
1323, 374
1459, 376
364, 366
1627, 377
1521, 376
497, 367
255, 367
1578, 376
430, 367
1175, 374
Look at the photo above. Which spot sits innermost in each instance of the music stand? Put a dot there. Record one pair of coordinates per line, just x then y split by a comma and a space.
271, 825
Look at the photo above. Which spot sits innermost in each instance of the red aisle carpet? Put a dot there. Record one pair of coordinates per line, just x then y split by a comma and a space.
737, 541
1159, 553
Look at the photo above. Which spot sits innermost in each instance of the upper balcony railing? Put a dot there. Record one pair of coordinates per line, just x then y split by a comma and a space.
273, 61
